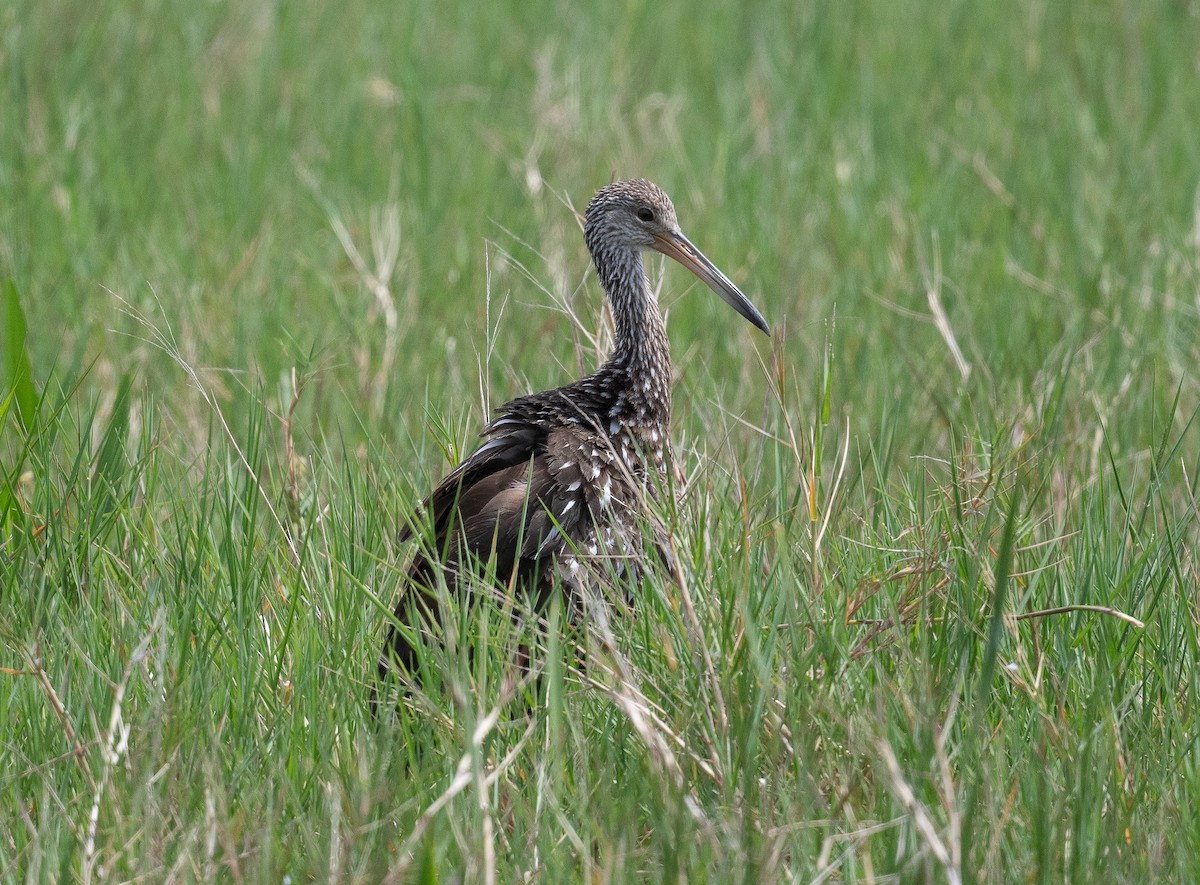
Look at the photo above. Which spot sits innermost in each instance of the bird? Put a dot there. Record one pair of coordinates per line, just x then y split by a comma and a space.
555, 496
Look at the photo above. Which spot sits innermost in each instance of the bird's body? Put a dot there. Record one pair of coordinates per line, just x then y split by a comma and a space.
555, 494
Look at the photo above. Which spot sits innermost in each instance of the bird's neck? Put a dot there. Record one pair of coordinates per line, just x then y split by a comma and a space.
641, 344
641, 355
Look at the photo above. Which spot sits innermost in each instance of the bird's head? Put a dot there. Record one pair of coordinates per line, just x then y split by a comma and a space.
637, 214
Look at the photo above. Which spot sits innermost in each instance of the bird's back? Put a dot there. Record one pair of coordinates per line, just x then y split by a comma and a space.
549, 495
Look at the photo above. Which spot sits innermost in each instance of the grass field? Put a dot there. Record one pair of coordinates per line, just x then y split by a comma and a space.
276, 262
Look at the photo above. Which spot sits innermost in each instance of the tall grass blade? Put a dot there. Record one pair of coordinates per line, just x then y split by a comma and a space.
1004, 562
18, 372
112, 461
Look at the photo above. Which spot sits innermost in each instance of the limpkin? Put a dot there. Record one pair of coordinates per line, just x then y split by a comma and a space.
554, 495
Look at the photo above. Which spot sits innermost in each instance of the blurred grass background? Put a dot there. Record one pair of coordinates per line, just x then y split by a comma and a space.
1039, 155
976, 231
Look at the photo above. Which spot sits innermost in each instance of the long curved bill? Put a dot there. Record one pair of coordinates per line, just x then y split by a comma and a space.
676, 245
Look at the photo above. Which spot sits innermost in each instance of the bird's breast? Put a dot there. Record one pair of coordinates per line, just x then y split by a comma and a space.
639, 437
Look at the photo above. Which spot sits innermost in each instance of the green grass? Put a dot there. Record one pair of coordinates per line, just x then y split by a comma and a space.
275, 263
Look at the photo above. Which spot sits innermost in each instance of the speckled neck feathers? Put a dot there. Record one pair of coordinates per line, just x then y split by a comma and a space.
638, 372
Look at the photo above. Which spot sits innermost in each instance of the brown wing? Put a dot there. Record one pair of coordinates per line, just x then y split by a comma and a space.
515, 444
516, 501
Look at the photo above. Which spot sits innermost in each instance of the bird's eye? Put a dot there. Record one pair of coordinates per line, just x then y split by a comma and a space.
646, 213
